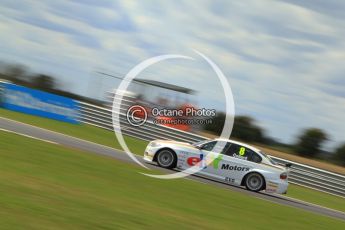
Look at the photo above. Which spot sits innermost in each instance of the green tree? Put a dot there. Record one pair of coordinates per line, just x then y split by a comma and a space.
310, 142
340, 154
246, 129
217, 124
44, 82
14, 72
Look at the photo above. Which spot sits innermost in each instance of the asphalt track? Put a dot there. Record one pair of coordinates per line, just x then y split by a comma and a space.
65, 140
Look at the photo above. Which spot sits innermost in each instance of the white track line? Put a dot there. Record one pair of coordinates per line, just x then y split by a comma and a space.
24, 135
47, 130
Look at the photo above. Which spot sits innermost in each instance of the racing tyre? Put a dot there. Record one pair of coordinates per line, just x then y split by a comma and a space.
254, 182
166, 159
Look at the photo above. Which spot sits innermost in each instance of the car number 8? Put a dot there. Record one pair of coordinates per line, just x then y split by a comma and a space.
242, 151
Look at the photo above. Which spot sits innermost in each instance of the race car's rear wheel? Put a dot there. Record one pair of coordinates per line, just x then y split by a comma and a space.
167, 159
254, 182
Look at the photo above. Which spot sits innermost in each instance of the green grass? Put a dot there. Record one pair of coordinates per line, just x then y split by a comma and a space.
137, 146
46, 186
316, 197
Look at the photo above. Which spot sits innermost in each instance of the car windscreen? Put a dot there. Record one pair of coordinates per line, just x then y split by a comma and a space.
198, 143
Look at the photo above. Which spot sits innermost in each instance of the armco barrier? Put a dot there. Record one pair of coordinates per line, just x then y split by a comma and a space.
39, 103
299, 174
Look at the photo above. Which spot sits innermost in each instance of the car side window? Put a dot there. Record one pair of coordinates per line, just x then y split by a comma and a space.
255, 158
243, 153
238, 151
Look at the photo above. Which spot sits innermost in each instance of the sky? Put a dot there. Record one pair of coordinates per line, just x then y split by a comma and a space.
284, 60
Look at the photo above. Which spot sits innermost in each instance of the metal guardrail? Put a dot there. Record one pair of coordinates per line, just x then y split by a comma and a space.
300, 174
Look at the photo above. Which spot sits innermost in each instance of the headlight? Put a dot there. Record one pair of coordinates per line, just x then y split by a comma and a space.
154, 144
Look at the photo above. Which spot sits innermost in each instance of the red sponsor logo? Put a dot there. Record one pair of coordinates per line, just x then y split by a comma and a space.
193, 161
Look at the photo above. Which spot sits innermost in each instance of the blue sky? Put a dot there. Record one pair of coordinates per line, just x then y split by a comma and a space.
283, 59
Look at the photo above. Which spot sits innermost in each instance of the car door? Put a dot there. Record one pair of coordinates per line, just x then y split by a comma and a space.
208, 158
236, 163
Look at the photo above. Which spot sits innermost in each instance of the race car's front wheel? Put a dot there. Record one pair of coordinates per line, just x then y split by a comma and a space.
166, 159
254, 182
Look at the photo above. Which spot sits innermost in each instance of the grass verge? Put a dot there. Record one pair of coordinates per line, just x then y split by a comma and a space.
49, 186
137, 146
316, 197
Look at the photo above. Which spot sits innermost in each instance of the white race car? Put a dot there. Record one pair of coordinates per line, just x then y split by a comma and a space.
225, 160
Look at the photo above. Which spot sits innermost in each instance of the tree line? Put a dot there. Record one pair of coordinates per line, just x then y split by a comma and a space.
309, 142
